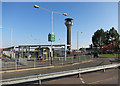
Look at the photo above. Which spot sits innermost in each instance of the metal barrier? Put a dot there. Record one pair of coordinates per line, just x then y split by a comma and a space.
8, 64
55, 75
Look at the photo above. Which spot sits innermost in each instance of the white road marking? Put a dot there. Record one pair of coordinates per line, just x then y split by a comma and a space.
81, 79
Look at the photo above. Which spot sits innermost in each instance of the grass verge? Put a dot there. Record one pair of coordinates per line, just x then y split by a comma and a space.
108, 55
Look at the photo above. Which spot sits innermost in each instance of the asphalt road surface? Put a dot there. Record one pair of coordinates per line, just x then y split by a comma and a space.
50, 69
108, 77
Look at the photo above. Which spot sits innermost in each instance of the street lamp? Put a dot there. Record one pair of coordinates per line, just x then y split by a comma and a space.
78, 39
11, 36
65, 14
36, 6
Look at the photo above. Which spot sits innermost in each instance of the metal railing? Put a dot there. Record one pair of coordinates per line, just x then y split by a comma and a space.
10, 64
55, 75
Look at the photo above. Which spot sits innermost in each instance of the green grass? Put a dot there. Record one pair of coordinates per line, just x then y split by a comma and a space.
108, 55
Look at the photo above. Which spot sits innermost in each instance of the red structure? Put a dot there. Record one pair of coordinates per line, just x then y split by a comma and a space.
1, 49
110, 46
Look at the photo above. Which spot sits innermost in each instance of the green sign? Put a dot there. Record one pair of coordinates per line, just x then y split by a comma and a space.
51, 37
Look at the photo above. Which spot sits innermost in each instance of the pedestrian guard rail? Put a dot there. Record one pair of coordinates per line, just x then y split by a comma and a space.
56, 74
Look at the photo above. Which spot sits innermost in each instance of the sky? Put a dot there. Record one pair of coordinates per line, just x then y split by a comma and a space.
32, 26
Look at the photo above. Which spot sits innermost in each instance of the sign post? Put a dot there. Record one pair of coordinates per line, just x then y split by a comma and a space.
51, 38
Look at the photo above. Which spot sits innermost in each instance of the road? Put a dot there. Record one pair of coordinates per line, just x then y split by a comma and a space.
50, 69
108, 77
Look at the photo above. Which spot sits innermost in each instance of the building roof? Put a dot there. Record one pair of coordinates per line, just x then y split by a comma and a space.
69, 19
34, 46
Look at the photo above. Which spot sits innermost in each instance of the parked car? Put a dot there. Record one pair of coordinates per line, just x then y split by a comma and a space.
96, 54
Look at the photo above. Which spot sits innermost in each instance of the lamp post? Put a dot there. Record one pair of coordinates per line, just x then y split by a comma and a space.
65, 14
11, 30
78, 39
78, 43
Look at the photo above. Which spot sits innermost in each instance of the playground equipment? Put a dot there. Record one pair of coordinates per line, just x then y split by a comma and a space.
43, 53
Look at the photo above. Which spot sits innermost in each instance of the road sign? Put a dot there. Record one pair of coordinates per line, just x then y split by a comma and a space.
52, 37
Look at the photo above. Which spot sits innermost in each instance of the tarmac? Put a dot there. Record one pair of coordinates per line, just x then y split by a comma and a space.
100, 77
53, 68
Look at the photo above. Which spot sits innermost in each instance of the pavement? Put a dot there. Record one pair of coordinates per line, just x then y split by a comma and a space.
50, 69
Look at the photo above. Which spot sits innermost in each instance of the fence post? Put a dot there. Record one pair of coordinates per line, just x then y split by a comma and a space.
62, 61
78, 75
16, 64
65, 52
0, 73
34, 62
72, 59
118, 67
103, 70
39, 82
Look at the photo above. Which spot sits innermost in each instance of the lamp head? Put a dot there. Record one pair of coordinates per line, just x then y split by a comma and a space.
65, 14
36, 6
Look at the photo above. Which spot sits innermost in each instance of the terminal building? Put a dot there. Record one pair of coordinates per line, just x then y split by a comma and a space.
37, 51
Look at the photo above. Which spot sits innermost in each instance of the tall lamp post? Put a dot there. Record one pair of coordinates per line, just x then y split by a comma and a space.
52, 36
11, 36
78, 40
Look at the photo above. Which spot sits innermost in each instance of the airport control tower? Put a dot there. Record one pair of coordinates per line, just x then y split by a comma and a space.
69, 23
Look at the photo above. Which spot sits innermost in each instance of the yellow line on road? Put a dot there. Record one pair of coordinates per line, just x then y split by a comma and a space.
36, 83
102, 80
26, 69
44, 67
82, 62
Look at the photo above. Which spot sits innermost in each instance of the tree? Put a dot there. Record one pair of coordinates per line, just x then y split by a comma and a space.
98, 38
113, 38
113, 35
91, 46
101, 38
107, 36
